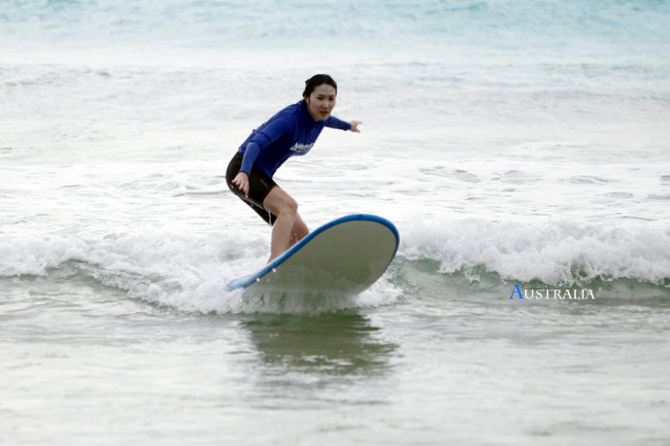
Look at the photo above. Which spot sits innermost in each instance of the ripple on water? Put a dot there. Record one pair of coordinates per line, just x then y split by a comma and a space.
619, 195
588, 179
516, 177
466, 176
658, 197
458, 174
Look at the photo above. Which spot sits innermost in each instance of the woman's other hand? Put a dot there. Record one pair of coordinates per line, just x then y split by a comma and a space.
241, 181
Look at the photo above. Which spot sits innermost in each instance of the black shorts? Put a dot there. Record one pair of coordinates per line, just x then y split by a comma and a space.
260, 186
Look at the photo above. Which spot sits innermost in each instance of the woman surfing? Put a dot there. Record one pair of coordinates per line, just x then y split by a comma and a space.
290, 132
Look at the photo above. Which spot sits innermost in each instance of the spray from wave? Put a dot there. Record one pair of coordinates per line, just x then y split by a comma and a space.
555, 253
179, 271
190, 272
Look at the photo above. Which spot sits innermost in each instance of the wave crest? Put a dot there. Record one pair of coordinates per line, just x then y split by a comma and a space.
559, 253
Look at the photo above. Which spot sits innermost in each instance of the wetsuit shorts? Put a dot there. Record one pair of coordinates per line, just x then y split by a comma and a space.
260, 186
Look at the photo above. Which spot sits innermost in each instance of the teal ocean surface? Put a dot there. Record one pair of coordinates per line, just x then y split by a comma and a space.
520, 148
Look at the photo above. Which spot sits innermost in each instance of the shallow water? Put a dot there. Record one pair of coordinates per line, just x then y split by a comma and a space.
447, 361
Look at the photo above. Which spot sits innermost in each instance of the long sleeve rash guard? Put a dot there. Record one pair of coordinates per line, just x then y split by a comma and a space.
290, 132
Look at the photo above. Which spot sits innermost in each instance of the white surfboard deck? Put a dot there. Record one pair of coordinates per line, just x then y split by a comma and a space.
343, 257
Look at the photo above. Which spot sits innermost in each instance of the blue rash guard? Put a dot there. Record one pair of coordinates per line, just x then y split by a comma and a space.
292, 131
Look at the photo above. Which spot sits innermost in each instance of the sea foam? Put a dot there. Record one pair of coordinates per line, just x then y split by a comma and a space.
190, 272
554, 252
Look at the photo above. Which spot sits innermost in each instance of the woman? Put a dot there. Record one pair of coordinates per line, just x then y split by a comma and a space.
292, 131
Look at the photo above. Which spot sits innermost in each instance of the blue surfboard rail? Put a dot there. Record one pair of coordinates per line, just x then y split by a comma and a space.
244, 282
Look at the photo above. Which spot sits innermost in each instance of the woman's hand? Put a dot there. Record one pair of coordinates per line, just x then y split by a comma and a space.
241, 181
354, 126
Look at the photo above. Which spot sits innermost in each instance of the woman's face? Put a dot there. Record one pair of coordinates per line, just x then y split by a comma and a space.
321, 102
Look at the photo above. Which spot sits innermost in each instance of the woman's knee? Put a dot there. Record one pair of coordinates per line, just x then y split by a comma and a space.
291, 205
288, 205
279, 202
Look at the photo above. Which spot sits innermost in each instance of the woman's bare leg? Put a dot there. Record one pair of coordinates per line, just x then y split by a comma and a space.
286, 209
299, 230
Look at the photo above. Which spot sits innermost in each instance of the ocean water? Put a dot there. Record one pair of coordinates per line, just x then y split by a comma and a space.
521, 148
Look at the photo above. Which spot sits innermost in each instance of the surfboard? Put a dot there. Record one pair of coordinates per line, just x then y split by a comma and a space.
343, 257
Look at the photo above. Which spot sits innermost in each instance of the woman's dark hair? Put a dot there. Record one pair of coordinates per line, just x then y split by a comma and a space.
315, 81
